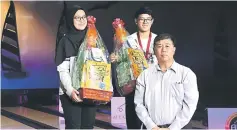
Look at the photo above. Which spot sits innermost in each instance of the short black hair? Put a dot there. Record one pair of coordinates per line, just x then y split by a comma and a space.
143, 10
164, 36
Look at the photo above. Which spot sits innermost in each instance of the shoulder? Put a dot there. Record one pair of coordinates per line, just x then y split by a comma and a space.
146, 74
131, 40
187, 72
64, 38
132, 36
153, 34
64, 41
149, 70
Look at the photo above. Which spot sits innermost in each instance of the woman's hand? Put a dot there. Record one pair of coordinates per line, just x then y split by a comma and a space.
75, 96
113, 58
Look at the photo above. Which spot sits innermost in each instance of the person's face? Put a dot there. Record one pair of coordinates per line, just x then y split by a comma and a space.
144, 22
164, 50
80, 20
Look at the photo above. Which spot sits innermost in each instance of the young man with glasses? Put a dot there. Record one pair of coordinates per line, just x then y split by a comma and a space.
143, 40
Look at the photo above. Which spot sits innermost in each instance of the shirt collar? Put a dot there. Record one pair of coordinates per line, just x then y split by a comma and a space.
173, 67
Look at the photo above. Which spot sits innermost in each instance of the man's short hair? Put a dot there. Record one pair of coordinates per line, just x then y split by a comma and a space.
164, 36
143, 10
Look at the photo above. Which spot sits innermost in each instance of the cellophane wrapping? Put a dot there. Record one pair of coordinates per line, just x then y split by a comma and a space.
131, 61
92, 69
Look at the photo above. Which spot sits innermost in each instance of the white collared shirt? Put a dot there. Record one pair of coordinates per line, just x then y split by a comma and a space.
169, 97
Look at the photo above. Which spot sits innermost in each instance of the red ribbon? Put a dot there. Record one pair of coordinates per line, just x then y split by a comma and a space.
148, 44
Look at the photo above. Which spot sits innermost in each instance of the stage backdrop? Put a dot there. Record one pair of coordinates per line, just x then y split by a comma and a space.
36, 28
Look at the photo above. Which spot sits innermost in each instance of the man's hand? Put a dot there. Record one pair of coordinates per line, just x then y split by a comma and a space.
113, 58
156, 128
75, 96
164, 129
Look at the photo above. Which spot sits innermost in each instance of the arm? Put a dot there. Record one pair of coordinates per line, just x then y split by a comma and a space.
63, 65
65, 77
141, 110
190, 101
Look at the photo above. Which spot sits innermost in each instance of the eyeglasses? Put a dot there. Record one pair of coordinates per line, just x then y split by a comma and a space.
145, 20
80, 18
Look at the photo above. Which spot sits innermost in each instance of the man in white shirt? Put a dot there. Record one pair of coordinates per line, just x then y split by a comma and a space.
166, 94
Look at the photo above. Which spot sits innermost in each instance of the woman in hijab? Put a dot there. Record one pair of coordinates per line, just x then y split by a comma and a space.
77, 115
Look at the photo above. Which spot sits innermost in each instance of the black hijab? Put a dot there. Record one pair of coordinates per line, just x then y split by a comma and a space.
69, 44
